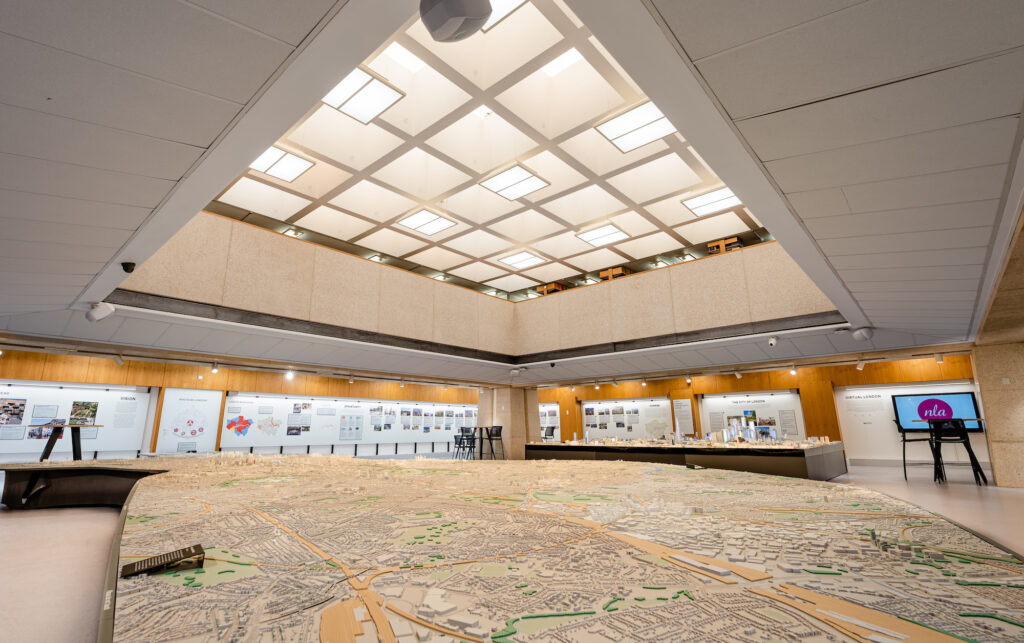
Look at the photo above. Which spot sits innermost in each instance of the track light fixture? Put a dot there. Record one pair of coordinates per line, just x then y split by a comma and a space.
738, 375
939, 359
643, 382
792, 370
860, 365
289, 375
215, 368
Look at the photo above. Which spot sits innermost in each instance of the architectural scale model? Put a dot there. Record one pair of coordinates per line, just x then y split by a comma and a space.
330, 548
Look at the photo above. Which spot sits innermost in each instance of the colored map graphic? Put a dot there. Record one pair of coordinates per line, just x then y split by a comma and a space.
268, 425
189, 424
239, 425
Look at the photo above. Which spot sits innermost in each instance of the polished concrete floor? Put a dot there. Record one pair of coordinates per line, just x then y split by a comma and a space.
52, 561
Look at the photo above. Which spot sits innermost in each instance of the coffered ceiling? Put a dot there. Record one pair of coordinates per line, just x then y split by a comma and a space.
525, 97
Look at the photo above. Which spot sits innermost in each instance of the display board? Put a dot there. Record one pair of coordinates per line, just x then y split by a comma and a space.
549, 418
188, 421
682, 411
778, 410
120, 410
868, 422
271, 420
911, 409
629, 419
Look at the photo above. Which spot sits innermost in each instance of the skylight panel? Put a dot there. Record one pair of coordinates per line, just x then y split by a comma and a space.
636, 128
426, 222
602, 236
280, 164
514, 183
362, 96
522, 260
499, 10
404, 57
563, 62
711, 202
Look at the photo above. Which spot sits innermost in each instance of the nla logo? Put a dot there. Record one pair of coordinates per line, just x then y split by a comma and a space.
934, 409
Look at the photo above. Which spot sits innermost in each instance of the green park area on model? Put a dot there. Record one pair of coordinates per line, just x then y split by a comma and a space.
220, 566
138, 520
438, 534
561, 496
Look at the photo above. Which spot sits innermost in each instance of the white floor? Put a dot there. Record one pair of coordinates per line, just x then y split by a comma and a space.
52, 561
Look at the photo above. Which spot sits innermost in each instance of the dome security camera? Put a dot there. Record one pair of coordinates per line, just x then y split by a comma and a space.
773, 340
128, 266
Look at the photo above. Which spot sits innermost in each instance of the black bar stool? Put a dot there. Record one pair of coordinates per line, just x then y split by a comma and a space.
952, 432
494, 435
465, 444
904, 439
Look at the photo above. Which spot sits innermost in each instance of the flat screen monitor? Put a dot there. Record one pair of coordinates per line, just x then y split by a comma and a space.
939, 406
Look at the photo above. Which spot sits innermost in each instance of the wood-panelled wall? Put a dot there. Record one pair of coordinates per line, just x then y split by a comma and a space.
816, 385
21, 365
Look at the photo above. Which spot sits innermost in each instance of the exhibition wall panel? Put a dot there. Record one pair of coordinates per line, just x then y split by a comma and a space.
629, 419
776, 410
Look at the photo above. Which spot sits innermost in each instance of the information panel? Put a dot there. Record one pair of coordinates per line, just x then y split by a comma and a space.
120, 410
270, 421
549, 419
778, 410
635, 419
188, 421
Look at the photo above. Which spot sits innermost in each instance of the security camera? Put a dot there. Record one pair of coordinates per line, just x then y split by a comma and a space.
128, 266
773, 340
514, 372
454, 20
552, 364
100, 310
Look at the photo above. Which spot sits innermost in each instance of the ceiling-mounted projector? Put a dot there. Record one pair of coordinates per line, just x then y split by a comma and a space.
453, 20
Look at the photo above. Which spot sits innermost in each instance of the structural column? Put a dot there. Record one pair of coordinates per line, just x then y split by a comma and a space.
508, 409
999, 371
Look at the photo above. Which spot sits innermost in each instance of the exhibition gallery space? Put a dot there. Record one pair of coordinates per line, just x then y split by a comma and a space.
330, 321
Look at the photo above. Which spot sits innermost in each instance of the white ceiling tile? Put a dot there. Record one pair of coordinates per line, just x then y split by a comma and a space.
526, 225
511, 283
373, 201
897, 243
478, 271
583, 205
633, 224
966, 146
478, 243
939, 217
916, 285
829, 202
486, 57
601, 156
391, 242
974, 184
333, 223
580, 92
437, 258
671, 211
655, 178
343, 138
716, 227
80, 182
866, 45
288, 22
81, 328
551, 272
141, 332
482, 142
597, 259
478, 204
854, 276
649, 246
974, 92
911, 258
559, 174
421, 174
218, 341
45, 323
562, 245
255, 345
181, 337
259, 197
13, 230
429, 96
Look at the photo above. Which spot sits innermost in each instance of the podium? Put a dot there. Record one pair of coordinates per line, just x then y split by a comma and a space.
58, 433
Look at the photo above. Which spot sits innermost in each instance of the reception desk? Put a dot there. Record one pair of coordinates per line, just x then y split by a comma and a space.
818, 462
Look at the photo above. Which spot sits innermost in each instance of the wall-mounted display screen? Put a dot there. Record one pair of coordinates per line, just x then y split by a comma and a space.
911, 409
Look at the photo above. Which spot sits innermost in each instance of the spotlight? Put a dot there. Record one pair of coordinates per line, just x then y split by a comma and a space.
100, 310
860, 366
597, 386
939, 359
688, 379
615, 384
643, 383
200, 377
445, 387
738, 375
118, 360
792, 370
289, 375
401, 385
351, 380
1, 352
215, 369
572, 387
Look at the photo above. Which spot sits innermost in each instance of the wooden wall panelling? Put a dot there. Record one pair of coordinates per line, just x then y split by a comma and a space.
145, 374
316, 385
239, 380
20, 365
102, 369
181, 376
65, 368
269, 383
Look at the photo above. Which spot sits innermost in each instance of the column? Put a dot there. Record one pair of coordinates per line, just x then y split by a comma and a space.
999, 371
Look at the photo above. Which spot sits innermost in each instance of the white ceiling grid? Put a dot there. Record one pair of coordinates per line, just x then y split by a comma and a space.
890, 127
471, 110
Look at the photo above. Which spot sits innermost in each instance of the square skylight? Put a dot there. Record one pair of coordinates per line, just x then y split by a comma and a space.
637, 127
712, 202
522, 260
362, 96
500, 9
563, 62
426, 222
280, 164
514, 183
602, 236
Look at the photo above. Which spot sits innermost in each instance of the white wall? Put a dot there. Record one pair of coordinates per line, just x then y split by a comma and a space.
783, 406
868, 423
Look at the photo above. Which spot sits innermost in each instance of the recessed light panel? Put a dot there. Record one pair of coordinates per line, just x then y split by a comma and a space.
637, 127
563, 62
602, 236
514, 183
500, 9
362, 96
426, 222
712, 202
522, 260
280, 164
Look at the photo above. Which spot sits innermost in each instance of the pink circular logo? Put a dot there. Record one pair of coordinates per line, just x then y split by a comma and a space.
934, 409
